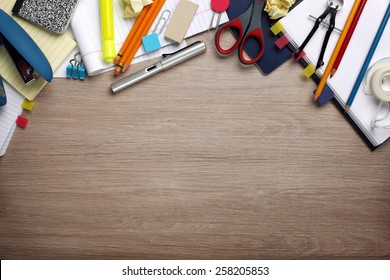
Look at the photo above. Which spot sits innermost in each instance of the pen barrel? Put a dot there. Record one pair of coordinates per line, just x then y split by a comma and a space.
136, 77
183, 54
107, 29
168, 61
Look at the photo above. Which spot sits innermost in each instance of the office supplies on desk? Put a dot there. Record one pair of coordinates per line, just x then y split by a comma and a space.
348, 37
55, 47
88, 37
136, 41
249, 27
336, 50
151, 42
295, 26
181, 20
168, 61
107, 29
367, 61
53, 15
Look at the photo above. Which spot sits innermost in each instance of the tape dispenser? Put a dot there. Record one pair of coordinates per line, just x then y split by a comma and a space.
377, 83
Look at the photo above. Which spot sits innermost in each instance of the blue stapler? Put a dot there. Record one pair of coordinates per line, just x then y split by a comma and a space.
26, 55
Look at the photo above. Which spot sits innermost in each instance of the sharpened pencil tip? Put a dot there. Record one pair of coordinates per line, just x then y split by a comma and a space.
332, 72
347, 107
117, 72
316, 95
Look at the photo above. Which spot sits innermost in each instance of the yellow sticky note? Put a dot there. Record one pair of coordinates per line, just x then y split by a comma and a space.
28, 105
309, 70
277, 28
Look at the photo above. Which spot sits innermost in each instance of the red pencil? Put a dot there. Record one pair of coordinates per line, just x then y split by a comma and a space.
348, 37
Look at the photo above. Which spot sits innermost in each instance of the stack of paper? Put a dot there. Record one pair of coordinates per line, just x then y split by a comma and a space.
8, 115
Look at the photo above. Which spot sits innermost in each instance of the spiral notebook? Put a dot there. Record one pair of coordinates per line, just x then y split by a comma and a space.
297, 25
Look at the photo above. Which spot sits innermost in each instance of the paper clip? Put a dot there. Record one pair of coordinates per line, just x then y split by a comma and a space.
151, 42
218, 6
76, 69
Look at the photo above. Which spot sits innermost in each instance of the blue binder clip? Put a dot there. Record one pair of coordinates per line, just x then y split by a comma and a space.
28, 58
76, 69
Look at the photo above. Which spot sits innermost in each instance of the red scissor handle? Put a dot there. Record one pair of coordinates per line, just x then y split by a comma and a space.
235, 24
256, 34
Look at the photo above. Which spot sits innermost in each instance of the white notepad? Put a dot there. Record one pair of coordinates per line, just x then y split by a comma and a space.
297, 25
8, 115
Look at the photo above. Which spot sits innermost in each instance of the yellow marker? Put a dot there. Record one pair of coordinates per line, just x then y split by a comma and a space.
107, 29
28, 105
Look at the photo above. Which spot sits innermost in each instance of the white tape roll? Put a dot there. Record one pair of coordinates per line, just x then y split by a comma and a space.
380, 83
381, 64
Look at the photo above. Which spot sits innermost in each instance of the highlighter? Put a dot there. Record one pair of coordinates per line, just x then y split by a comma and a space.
107, 29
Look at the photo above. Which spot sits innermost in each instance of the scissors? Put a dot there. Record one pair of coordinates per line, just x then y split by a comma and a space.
248, 25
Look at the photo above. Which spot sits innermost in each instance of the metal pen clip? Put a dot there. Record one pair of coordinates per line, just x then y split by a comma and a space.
183, 49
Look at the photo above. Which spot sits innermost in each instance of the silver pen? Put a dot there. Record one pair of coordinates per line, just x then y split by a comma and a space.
168, 61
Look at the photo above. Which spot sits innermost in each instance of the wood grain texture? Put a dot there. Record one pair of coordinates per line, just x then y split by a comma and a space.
209, 160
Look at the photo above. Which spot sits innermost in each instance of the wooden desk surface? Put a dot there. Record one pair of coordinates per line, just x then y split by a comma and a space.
209, 160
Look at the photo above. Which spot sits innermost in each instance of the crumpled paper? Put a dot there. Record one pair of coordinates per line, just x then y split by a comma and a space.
134, 7
278, 8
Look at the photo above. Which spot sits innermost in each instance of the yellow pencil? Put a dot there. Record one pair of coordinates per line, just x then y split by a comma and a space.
336, 51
